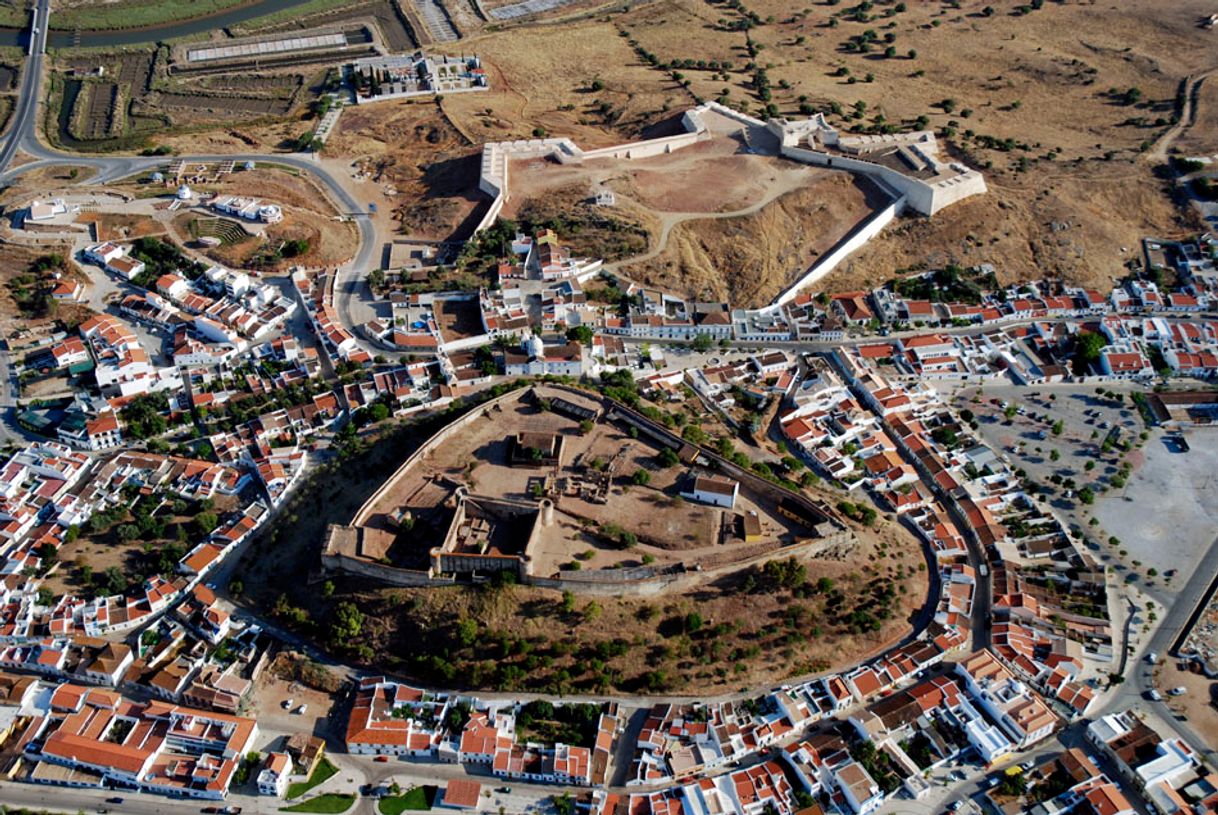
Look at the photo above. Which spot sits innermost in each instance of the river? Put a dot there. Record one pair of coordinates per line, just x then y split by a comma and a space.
158, 33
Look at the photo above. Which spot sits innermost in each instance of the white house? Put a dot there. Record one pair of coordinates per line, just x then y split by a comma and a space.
719, 492
539, 359
212, 331
102, 253
45, 210
859, 789
273, 780
172, 286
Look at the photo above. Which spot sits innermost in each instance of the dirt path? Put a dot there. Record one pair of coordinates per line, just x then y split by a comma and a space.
668, 220
1188, 118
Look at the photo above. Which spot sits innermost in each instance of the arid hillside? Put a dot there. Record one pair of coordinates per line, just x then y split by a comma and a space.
748, 260
1082, 229
1061, 106
1068, 106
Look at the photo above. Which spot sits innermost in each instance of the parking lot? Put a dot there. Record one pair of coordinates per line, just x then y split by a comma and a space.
1166, 516
1164, 513
1027, 439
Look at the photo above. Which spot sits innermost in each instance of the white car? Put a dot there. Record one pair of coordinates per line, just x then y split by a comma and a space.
1178, 691
1154, 695
287, 704
1152, 658
301, 710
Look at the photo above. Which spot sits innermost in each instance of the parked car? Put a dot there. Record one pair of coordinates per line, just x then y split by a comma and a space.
300, 711
382, 759
287, 704
114, 800
1154, 695
231, 810
1178, 691
1152, 657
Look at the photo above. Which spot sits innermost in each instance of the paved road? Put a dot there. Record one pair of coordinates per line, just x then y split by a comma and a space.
25, 118
1132, 693
349, 285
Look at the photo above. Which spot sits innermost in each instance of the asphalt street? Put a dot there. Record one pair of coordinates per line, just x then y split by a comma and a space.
23, 137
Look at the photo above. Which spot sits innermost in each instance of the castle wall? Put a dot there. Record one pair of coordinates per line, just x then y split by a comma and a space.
853, 242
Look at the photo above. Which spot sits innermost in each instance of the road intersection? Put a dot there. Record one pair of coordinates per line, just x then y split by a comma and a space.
23, 138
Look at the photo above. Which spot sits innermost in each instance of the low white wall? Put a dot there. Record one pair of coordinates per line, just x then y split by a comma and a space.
651, 147
826, 263
736, 115
492, 213
476, 341
590, 271
418, 94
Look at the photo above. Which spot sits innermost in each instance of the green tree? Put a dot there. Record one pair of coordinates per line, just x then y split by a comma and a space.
346, 624
144, 416
564, 804
206, 522
116, 581
581, 334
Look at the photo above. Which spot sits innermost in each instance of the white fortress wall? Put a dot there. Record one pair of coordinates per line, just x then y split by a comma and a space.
967, 184
828, 262
918, 194
735, 115
651, 147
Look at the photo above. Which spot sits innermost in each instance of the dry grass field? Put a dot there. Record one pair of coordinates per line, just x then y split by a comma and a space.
1040, 101
748, 260
15, 261
541, 79
426, 169
1061, 107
